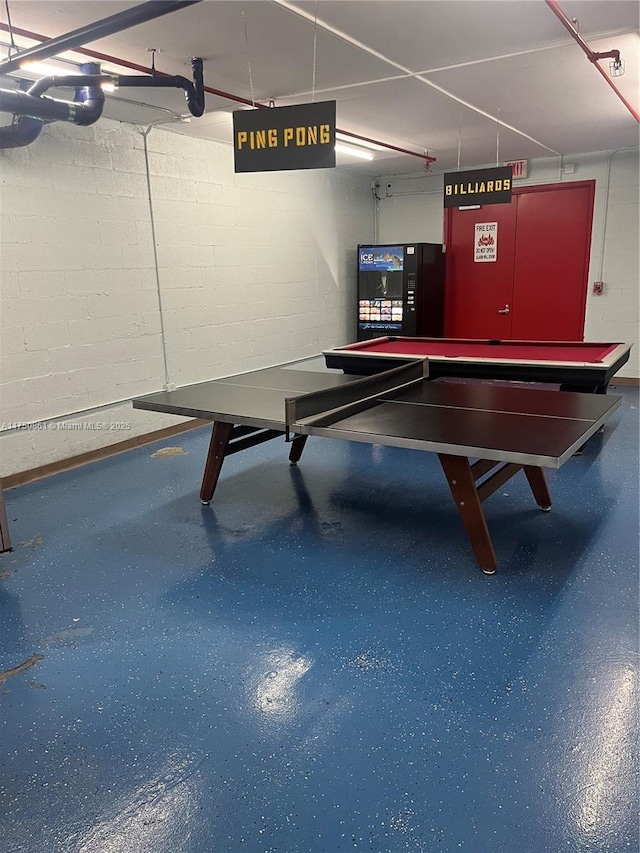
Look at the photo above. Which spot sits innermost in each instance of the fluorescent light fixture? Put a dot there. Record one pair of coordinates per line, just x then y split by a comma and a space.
354, 152
360, 143
70, 61
45, 70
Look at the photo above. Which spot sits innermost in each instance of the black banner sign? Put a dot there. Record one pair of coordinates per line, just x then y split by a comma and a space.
283, 138
481, 186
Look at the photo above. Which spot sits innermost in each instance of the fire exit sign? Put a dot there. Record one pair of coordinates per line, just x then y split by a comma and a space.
520, 168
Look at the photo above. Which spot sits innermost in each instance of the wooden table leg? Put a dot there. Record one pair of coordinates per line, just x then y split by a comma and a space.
217, 449
297, 446
461, 481
539, 486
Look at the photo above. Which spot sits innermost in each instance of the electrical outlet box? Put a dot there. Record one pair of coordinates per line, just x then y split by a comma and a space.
598, 287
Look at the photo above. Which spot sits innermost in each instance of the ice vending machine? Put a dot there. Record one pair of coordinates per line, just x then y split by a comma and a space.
400, 290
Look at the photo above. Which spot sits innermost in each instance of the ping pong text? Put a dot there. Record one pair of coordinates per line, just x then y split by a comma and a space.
286, 137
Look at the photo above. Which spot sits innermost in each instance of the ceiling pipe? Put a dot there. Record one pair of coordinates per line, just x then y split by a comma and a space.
193, 92
427, 159
22, 132
87, 108
134, 66
420, 78
97, 30
34, 110
592, 56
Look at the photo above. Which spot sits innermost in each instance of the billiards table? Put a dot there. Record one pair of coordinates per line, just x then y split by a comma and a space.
574, 365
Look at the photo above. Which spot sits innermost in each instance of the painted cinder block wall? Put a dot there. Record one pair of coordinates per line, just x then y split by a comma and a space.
251, 270
410, 208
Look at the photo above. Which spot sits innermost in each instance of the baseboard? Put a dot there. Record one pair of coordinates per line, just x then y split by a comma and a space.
42, 471
625, 380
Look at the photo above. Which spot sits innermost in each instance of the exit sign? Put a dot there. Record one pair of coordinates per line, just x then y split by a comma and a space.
519, 167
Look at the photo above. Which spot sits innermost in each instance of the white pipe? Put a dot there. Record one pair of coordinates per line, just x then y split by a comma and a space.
375, 186
411, 74
606, 207
380, 56
167, 378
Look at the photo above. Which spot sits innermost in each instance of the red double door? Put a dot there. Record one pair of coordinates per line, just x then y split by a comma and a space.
536, 288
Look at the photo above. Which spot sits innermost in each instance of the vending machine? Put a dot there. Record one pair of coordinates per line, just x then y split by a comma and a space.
400, 290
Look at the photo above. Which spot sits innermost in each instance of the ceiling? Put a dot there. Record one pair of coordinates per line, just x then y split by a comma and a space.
468, 81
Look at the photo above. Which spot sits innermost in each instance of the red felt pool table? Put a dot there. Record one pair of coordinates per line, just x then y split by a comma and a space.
574, 365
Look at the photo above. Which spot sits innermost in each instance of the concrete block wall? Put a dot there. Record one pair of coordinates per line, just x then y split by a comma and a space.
257, 268
251, 270
411, 209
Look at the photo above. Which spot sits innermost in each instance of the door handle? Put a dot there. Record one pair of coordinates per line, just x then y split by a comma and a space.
504, 310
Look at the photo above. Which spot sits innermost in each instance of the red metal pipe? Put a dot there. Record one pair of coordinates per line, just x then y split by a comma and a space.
591, 56
104, 57
424, 157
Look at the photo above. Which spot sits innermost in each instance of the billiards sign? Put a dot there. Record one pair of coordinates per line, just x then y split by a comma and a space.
480, 186
285, 138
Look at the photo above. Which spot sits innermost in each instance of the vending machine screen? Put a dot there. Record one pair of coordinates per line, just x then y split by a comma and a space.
380, 287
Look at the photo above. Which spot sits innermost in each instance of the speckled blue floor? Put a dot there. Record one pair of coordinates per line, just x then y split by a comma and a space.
315, 663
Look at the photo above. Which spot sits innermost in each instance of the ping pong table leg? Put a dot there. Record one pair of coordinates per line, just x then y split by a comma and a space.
215, 457
539, 486
5, 539
461, 481
297, 446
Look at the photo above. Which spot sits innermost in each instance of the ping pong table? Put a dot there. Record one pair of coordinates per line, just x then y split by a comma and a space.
483, 434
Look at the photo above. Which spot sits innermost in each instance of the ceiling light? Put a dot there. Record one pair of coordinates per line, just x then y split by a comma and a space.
108, 87
357, 141
43, 69
354, 152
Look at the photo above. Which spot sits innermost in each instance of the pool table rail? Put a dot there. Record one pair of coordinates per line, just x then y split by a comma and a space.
588, 374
